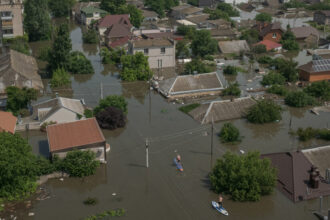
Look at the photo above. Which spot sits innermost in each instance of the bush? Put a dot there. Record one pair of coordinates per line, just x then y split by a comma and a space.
229, 133
244, 178
90, 201
273, 78
230, 70
44, 166
187, 31
19, 44
135, 67
44, 53
44, 125
88, 113
264, 111
111, 118
319, 89
196, 65
203, 44
299, 99
113, 101
265, 60
19, 98
79, 64
90, 37
228, 8
278, 90
188, 108
306, 134
60, 79
232, 90
80, 163
250, 35
260, 48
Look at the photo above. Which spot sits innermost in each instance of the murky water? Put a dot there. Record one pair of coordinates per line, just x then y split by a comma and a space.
160, 192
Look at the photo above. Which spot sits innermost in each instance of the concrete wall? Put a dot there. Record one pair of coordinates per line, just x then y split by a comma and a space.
98, 150
63, 115
17, 19
154, 55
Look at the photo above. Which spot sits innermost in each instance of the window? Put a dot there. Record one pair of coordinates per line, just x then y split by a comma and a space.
6, 14
146, 51
274, 35
7, 31
162, 50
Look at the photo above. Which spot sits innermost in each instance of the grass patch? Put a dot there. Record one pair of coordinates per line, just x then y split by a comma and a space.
187, 108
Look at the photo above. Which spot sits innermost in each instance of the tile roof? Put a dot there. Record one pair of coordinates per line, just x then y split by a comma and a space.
117, 30
109, 20
148, 43
270, 27
120, 42
74, 134
269, 44
234, 46
7, 122
304, 32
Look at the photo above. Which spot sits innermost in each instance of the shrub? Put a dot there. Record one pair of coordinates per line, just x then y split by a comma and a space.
111, 118
299, 99
264, 111
79, 64
88, 113
44, 53
188, 108
19, 98
203, 44
278, 90
228, 8
232, 90
90, 37
273, 78
260, 48
319, 89
230, 70
113, 101
263, 17
306, 134
80, 163
60, 78
244, 178
111, 56
45, 124
196, 65
265, 60
19, 44
90, 201
44, 166
229, 133
135, 67
187, 31
250, 35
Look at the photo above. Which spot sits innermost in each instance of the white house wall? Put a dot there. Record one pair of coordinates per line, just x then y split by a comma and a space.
62, 116
168, 58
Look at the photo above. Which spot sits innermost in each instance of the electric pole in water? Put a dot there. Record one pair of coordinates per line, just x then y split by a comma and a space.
101, 87
212, 129
147, 153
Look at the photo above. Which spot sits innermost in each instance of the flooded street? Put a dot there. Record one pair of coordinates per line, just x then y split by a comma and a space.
160, 192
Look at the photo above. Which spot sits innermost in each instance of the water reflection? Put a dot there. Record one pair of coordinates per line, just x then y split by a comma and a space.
82, 78
137, 90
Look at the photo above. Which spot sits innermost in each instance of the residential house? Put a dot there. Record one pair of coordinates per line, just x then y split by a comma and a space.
322, 17
306, 34
76, 9
59, 110
235, 46
184, 10
7, 122
18, 69
79, 135
315, 70
222, 110
200, 20
90, 14
117, 36
219, 24
149, 15
299, 173
206, 3
160, 52
270, 45
271, 32
11, 12
114, 20
235, 2
223, 34
188, 86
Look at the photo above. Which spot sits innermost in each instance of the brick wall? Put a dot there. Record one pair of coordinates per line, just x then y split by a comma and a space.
269, 36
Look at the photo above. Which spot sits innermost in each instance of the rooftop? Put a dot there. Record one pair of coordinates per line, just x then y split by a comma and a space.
148, 43
109, 20
234, 46
270, 27
197, 19
319, 157
315, 66
269, 44
74, 134
7, 122
325, 12
118, 30
149, 13
304, 32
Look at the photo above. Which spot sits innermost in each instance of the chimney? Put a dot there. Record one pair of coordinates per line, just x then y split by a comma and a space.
56, 94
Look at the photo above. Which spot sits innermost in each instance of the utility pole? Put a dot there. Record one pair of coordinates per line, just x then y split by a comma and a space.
101, 88
212, 130
147, 153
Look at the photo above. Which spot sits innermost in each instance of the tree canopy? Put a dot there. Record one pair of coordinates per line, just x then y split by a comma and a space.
250, 35
112, 6
61, 8
299, 99
37, 20
79, 64
135, 67
244, 178
232, 90
90, 37
111, 118
60, 78
263, 17
229, 133
182, 49
288, 41
273, 78
319, 90
116, 101
19, 98
159, 6
264, 111
196, 66
230, 70
203, 44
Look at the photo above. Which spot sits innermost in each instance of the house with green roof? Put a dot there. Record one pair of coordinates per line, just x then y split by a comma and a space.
90, 13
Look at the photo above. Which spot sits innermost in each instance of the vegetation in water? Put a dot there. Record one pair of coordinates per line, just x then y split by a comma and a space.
203, 44
107, 214
309, 133
135, 67
19, 99
111, 56
160, 6
60, 78
273, 78
197, 66
19, 44
278, 90
90, 201
188, 108
319, 90
79, 64
244, 178
90, 36
299, 99
230, 70
264, 111
113, 101
232, 90
111, 118
229, 133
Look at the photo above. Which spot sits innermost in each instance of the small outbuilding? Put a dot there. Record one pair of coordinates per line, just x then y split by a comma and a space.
235, 46
315, 70
79, 135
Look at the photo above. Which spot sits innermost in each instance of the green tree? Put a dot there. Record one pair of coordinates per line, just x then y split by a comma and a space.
135, 67
112, 6
229, 133
273, 78
263, 17
278, 89
17, 167
19, 98
187, 31
196, 65
288, 41
159, 6
264, 111
112, 56
111, 118
79, 64
60, 78
37, 20
136, 16
80, 163
182, 49
203, 44
19, 43
244, 178
116, 101
250, 35
228, 8
90, 37
61, 8
60, 53
319, 89
286, 68
230, 70
260, 48
218, 14
232, 90
299, 99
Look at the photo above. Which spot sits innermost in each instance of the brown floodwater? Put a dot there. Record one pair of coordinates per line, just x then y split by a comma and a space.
160, 192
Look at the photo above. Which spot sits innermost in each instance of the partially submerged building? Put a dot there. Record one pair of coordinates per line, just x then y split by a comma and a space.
188, 86
91, 14
315, 70
114, 22
302, 175
184, 10
79, 135
222, 110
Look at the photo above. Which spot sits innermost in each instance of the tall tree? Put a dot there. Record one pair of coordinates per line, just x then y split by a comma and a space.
136, 16
112, 6
135, 67
19, 98
203, 44
160, 6
60, 52
61, 8
37, 20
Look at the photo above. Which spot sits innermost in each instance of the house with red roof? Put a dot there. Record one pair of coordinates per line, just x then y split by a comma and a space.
117, 36
272, 32
7, 122
118, 24
270, 45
